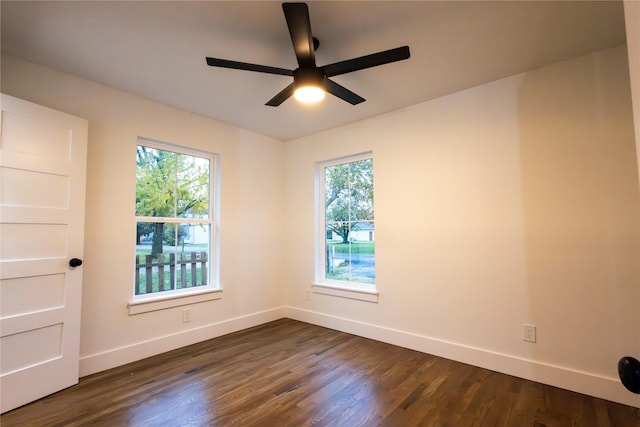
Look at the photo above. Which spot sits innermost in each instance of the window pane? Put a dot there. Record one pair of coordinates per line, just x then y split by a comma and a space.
192, 187
155, 252
361, 190
362, 250
155, 182
352, 260
333, 260
193, 256
171, 256
337, 248
336, 185
337, 198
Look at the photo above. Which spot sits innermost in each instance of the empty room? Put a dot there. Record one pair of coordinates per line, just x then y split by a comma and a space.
332, 213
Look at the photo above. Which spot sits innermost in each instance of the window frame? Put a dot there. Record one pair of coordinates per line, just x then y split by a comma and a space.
322, 285
143, 303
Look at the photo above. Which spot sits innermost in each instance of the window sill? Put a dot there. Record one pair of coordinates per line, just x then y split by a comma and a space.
351, 292
162, 302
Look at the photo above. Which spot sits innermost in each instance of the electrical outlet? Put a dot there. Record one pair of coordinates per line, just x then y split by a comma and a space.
307, 295
186, 315
528, 333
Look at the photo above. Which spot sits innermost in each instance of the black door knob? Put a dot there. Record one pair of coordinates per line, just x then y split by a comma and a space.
75, 262
629, 371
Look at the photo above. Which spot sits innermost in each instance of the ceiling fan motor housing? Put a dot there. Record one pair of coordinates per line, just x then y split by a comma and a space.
308, 77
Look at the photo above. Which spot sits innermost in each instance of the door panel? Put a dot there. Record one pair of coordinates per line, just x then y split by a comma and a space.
19, 351
43, 190
33, 241
35, 135
29, 294
42, 182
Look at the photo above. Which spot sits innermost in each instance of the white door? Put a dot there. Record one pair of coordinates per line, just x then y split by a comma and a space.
42, 191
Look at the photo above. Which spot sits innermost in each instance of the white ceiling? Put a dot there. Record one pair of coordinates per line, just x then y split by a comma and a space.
157, 49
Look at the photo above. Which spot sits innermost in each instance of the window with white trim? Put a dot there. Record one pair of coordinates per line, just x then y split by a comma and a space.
175, 223
346, 230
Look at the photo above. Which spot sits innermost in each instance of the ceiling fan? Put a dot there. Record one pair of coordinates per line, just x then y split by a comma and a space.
309, 80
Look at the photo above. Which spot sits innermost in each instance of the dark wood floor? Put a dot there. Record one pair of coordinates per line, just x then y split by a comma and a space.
288, 373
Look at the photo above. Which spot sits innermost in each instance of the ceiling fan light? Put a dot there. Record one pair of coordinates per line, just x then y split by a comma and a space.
309, 94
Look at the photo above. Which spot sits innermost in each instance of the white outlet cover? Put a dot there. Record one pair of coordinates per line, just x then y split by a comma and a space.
529, 333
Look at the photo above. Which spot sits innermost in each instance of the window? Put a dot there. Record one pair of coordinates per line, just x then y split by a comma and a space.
346, 230
175, 222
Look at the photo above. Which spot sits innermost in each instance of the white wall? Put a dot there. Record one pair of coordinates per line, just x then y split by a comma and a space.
513, 202
251, 217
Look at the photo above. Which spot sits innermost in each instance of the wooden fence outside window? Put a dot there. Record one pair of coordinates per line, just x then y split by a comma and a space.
187, 271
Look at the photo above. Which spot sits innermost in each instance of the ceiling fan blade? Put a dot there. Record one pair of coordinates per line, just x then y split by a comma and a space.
297, 16
367, 61
236, 65
342, 92
282, 96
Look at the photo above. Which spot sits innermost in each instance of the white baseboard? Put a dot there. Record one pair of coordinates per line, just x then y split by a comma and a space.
608, 388
112, 358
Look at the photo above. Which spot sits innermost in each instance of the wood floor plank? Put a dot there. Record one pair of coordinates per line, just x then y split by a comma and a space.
289, 373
